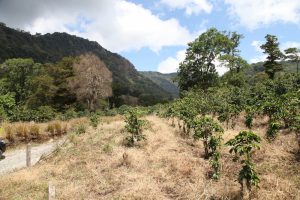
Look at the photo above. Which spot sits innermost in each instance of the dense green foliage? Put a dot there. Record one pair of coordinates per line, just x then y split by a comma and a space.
199, 67
129, 86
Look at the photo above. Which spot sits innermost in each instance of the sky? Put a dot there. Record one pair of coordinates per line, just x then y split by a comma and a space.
153, 34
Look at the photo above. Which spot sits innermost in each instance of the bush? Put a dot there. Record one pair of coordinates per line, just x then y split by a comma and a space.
94, 120
243, 146
273, 129
69, 114
134, 127
34, 131
45, 113
80, 129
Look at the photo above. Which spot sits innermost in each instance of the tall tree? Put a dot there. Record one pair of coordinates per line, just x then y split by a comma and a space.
293, 54
17, 75
271, 47
232, 58
92, 80
198, 68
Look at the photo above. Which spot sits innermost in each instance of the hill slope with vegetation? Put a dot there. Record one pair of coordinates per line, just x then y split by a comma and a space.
165, 81
51, 48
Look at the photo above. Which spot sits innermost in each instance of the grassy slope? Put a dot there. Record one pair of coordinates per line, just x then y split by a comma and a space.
166, 166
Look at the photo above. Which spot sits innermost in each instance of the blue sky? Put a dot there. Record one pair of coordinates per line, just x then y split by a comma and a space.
153, 34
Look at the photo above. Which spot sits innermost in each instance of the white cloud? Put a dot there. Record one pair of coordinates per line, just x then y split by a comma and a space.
118, 25
190, 6
260, 57
171, 64
290, 44
256, 44
255, 13
221, 69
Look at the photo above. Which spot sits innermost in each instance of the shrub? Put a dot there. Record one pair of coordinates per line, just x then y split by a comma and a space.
273, 129
80, 129
134, 127
94, 120
44, 113
34, 131
69, 114
243, 146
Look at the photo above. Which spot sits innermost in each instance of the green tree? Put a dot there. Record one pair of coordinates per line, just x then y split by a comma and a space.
293, 54
198, 68
17, 76
7, 104
232, 58
271, 47
43, 91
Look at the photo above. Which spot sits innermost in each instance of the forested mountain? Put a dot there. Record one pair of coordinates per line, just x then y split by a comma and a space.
128, 84
165, 81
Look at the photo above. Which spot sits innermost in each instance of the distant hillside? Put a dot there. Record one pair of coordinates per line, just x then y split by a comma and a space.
165, 81
258, 67
128, 84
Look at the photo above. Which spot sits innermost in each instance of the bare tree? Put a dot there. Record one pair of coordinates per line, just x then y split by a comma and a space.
92, 80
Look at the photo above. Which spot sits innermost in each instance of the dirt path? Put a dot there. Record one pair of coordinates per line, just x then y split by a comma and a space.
16, 159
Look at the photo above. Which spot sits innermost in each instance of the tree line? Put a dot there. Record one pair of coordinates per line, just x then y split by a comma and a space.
34, 91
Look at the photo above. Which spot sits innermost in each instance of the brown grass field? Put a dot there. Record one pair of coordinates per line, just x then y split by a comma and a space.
165, 166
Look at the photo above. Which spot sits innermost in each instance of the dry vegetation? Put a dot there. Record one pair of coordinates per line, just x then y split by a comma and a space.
24, 132
96, 165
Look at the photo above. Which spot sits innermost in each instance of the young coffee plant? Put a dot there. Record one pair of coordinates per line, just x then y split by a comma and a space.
211, 133
205, 128
273, 129
134, 128
243, 146
215, 146
94, 120
249, 117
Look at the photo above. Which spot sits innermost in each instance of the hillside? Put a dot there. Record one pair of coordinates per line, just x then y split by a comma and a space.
165, 81
127, 82
258, 67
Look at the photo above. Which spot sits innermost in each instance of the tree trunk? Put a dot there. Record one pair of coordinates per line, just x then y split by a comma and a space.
245, 195
298, 139
205, 143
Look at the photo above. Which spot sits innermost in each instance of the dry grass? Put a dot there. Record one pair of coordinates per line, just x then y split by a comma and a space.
23, 132
95, 165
